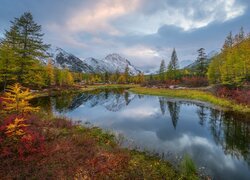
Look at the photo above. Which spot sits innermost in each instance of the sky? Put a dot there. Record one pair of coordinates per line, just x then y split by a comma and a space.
143, 31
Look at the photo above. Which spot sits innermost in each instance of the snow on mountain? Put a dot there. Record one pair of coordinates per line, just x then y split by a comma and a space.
111, 63
63, 59
115, 63
112, 102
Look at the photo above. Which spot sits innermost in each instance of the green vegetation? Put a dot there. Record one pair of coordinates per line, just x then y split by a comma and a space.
193, 94
232, 66
188, 168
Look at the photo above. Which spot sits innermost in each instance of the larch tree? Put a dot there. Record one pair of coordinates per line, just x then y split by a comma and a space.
50, 73
27, 41
7, 67
232, 66
126, 74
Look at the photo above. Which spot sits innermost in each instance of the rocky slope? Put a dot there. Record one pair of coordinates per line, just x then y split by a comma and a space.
111, 63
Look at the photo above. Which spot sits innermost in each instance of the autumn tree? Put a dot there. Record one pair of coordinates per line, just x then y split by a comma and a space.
26, 39
232, 66
7, 67
16, 100
121, 79
126, 74
50, 73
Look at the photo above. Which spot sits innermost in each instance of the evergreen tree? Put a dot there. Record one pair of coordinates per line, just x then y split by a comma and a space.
173, 65
241, 34
26, 39
174, 111
162, 70
126, 74
201, 62
106, 77
228, 42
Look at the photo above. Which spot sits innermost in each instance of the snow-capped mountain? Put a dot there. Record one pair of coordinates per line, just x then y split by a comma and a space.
115, 62
111, 63
109, 100
62, 59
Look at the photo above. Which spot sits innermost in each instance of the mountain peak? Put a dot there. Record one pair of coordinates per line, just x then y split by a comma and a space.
111, 63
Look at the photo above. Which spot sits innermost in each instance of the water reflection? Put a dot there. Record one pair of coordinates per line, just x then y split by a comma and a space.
216, 140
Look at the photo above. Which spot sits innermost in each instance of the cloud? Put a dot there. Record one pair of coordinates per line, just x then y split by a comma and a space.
144, 31
187, 15
98, 17
117, 17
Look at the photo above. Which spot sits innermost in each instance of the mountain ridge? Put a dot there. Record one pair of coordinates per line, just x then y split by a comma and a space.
111, 63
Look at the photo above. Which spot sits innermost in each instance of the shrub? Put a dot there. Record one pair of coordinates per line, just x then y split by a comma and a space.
17, 139
194, 81
239, 95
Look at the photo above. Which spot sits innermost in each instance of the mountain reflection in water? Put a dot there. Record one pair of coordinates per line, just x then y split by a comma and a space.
216, 140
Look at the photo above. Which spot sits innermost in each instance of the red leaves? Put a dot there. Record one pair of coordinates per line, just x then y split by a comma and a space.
23, 145
239, 95
1, 103
194, 81
106, 163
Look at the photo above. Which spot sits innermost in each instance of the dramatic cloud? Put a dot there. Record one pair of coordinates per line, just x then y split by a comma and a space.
144, 31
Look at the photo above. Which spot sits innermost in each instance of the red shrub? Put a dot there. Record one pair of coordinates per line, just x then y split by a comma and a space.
172, 82
194, 81
1, 103
239, 95
21, 145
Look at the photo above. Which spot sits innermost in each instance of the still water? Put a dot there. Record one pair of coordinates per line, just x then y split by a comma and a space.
217, 141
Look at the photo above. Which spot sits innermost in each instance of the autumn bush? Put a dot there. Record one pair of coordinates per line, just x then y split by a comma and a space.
241, 96
194, 81
1, 103
17, 137
18, 140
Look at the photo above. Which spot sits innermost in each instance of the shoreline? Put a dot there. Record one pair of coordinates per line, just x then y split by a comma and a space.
193, 95
196, 95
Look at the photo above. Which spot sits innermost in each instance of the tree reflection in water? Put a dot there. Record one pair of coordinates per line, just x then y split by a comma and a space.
227, 129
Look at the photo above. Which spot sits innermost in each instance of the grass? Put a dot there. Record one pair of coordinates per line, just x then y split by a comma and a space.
73, 151
194, 95
188, 168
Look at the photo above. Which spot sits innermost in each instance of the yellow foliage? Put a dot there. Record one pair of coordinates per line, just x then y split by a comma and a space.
15, 129
50, 72
17, 100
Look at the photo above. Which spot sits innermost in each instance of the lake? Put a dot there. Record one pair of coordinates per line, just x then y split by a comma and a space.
217, 141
